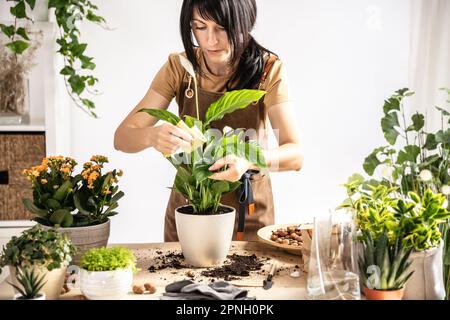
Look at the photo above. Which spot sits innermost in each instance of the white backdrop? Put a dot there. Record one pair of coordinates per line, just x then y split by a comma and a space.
343, 58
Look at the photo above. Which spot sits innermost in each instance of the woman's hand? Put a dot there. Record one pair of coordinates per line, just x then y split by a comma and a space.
167, 138
236, 168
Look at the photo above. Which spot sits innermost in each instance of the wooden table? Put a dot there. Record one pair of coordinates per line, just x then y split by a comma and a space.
284, 286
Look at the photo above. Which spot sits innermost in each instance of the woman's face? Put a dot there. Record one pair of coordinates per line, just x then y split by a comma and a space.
212, 39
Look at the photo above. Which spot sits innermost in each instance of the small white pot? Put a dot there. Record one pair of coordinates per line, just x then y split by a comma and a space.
106, 285
41, 296
205, 239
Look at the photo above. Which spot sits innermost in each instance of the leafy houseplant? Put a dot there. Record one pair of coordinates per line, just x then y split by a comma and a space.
108, 259
68, 14
78, 205
57, 192
421, 163
30, 285
413, 218
45, 251
16, 65
204, 211
107, 273
385, 266
192, 181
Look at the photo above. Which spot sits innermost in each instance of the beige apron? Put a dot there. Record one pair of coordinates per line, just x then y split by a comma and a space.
254, 117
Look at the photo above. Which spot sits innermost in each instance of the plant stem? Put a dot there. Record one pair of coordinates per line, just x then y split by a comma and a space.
404, 123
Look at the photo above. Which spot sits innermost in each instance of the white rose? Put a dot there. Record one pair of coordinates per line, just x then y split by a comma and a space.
425, 175
445, 189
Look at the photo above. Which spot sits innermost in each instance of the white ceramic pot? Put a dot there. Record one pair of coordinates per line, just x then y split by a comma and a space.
54, 281
106, 285
427, 281
41, 296
205, 239
85, 238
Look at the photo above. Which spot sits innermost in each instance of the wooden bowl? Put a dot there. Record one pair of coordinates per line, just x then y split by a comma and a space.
265, 233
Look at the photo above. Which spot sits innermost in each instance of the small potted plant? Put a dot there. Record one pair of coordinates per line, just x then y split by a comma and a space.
205, 226
30, 285
47, 252
384, 267
107, 273
418, 164
78, 205
413, 218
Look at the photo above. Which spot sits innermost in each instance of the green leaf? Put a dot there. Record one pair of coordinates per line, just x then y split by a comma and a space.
17, 46
409, 153
190, 121
53, 204
230, 102
94, 18
388, 124
19, 10
430, 142
77, 200
78, 49
443, 136
418, 121
88, 103
220, 187
62, 191
31, 3
59, 216
391, 104
34, 209
86, 63
23, 33
76, 83
371, 162
117, 196
443, 111
67, 71
58, 4
7, 30
162, 115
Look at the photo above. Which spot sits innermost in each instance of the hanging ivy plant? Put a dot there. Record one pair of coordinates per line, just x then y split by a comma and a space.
77, 65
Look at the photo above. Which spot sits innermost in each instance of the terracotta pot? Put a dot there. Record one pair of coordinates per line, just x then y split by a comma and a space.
205, 239
373, 294
85, 238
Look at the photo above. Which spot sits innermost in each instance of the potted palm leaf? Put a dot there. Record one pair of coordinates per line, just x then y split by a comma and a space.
30, 285
205, 226
384, 267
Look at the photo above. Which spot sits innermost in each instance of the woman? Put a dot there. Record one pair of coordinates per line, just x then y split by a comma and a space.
226, 58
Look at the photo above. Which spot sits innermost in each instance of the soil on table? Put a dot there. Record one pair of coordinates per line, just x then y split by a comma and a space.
235, 267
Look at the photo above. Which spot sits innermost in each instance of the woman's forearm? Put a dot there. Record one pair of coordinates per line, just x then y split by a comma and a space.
132, 139
287, 157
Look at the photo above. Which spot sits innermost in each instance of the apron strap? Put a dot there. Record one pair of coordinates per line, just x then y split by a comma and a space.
246, 201
245, 192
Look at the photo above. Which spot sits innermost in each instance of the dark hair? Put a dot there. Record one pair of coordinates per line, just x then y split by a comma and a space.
238, 18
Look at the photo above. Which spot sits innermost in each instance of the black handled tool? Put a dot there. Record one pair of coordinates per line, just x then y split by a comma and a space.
267, 284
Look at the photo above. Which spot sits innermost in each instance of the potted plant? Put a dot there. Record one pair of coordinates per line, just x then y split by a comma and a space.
30, 285
77, 65
416, 162
384, 267
17, 63
107, 273
78, 205
412, 218
47, 252
204, 226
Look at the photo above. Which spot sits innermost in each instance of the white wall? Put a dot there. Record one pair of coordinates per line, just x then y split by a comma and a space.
343, 58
